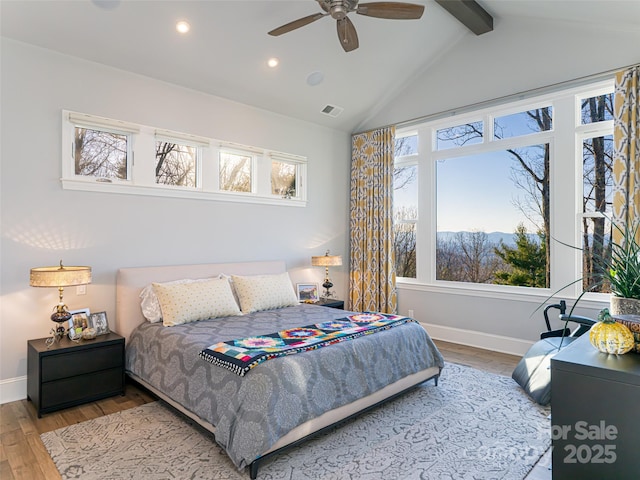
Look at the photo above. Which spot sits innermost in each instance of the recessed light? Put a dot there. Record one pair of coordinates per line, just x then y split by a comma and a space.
273, 62
182, 26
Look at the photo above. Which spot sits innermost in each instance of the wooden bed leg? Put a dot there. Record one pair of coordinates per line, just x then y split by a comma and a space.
253, 469
435, 379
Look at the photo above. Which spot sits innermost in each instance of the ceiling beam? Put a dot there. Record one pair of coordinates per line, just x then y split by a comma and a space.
470, 14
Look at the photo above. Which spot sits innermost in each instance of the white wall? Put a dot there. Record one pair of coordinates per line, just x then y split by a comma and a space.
519, 55
41, 223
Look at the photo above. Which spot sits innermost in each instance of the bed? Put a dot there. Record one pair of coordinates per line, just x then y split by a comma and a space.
279, 402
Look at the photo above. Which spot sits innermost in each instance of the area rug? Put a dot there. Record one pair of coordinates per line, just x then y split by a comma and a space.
473, 425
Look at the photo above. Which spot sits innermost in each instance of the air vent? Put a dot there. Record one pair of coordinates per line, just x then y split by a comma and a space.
332, 110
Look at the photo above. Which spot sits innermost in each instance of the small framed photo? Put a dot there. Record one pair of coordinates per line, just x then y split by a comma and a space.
308, 292
99, 322
78, 322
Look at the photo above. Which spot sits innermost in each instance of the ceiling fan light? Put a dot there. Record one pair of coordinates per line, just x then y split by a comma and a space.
273, 62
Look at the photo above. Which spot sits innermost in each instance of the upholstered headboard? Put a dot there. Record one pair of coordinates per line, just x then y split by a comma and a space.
131, 281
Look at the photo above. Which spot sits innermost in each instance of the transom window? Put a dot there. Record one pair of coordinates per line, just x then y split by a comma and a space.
176, 164
98, 155
235, 171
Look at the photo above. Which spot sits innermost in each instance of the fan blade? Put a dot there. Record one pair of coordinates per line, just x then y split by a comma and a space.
393, 10
301, 22
347, 34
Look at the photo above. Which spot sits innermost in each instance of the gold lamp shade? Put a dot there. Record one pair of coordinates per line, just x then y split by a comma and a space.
327, 260
59, 277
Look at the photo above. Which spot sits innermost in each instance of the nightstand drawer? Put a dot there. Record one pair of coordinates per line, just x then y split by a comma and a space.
75, 363
85, 388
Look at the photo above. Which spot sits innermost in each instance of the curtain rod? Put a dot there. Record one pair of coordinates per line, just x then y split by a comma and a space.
514, 96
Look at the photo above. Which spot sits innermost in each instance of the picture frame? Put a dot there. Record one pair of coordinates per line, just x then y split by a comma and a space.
99, 322
78, 322
308, 292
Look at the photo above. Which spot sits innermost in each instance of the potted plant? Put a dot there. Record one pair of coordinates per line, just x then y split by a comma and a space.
619, 273
623, 271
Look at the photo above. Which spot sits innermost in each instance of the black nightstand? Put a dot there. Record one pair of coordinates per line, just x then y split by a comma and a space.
69, 373
327, 302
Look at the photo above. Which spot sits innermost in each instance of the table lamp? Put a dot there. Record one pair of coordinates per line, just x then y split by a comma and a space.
60, 277
327, 261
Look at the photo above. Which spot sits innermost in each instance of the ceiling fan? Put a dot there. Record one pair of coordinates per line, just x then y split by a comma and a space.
338, 9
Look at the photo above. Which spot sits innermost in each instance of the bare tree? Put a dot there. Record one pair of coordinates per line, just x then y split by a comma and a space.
283, 179
597, 173
405, 243
175, 164
477, 256
448, 262
235, 172
467, 257
100, 154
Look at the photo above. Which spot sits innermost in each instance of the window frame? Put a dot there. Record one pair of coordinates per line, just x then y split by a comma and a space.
300, 173
565, 141
141, 162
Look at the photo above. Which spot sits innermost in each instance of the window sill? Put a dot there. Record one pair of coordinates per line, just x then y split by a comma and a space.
499, 292
159, 191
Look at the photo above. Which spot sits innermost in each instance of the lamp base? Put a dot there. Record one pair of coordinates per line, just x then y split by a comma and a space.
60, 316
327, 289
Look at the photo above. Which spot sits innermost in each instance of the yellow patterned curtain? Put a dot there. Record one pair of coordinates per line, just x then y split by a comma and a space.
372, 273
626, 149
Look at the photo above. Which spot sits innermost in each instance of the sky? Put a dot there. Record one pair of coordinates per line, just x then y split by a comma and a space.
473, 193
477, 192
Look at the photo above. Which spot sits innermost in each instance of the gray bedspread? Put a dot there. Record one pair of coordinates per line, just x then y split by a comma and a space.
251, 413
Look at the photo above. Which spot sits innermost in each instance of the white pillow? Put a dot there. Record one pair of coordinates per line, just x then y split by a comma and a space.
189, 302
149, 301
262, 292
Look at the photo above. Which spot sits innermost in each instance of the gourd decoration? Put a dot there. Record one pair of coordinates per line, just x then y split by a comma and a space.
609, 336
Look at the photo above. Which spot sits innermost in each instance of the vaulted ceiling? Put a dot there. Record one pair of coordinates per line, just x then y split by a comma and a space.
225, 53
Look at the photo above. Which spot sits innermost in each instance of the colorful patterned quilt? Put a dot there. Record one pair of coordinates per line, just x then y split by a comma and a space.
243, 354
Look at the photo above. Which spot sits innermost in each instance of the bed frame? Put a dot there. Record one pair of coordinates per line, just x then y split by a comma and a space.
131, 281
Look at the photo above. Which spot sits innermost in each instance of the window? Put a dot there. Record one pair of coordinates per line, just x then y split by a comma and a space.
405, 206
483, 199
98, 155
597, 185
101, 154
176, 164
283, 178
458, 135
523, 123
235, 171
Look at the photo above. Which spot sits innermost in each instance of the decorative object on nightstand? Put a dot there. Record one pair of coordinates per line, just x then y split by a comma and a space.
60, 277
609, 336
327, 261
307, 292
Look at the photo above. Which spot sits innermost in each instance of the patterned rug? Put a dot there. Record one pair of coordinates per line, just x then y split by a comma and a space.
473, 425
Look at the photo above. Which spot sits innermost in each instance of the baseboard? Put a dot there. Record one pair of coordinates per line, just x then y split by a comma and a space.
13, 389
471, 338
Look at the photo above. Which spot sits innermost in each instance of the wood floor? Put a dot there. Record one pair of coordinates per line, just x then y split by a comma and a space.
23, 456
